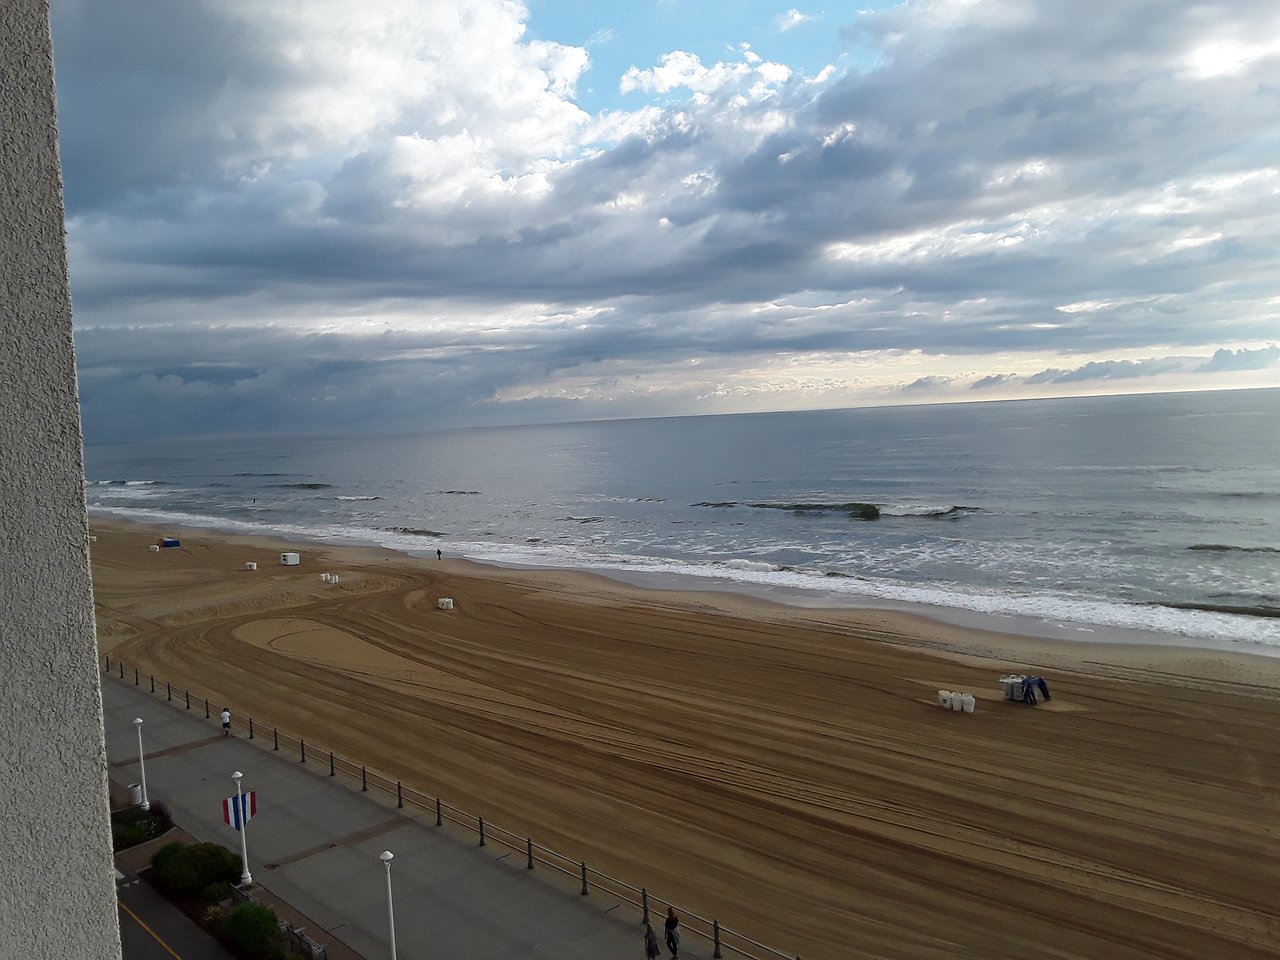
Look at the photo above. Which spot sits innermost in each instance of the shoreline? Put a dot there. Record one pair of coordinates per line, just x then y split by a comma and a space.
1044, 616
949, 632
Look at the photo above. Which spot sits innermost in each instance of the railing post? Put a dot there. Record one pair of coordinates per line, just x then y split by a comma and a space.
715, 930
108, 663
168, 692
481, 819
275, 737
364, 780
206, 708
188, 699
399, 795
135, 676
331, 763
303, 745
529, 841
584, 878
153, 683
251, 728
121, 669
644, 903
439, 813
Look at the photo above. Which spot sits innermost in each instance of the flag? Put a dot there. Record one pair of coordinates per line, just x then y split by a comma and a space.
238, 811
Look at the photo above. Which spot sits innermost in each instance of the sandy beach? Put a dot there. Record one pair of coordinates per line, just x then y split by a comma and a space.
786, 770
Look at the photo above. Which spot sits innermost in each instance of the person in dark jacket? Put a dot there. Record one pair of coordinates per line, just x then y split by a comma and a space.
673, 932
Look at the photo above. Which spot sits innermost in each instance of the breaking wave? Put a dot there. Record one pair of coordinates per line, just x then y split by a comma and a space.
924, 510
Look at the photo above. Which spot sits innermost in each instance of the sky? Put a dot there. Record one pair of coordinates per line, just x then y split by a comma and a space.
411, 214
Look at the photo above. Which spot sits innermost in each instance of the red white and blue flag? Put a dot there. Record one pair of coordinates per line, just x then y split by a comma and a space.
238, 811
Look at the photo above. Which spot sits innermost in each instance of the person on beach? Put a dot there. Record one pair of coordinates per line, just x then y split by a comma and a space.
439, 555
651, 950
225, 717
673, 932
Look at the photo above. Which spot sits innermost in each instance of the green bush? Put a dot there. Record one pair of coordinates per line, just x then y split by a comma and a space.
134, 825
186, 869
216, 892
251, 930
166, 855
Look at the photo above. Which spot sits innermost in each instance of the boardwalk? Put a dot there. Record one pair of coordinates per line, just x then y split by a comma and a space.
315, 844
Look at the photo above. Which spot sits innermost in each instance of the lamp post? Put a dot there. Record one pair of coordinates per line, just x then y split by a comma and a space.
142, 765
246, 879
386, 857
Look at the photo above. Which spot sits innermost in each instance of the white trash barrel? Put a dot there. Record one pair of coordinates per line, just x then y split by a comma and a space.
154, 548
968, 702
957, 702
445, 603
250, 565
135, 794
944, 698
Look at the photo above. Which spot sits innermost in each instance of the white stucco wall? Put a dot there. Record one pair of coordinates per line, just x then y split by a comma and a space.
57, 892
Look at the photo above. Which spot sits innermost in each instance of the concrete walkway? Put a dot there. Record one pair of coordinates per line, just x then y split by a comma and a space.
315, 841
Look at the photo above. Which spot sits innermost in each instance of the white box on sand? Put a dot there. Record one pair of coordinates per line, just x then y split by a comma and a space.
154, 548
250, 565
445, 603
289, 559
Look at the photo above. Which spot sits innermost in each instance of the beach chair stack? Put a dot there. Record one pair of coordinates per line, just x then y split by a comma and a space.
1024, 689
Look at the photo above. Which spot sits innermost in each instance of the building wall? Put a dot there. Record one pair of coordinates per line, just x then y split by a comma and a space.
57, 891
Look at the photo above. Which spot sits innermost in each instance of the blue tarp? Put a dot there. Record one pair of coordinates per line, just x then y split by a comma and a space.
170, 542
1029, 687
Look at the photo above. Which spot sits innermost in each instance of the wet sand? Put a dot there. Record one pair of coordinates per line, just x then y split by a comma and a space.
786, 770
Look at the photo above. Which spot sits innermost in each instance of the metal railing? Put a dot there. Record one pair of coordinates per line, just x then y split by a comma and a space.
721, 938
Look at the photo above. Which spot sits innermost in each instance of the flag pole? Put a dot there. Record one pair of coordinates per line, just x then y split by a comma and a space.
246, 879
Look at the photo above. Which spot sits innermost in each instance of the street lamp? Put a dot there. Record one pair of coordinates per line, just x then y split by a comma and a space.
386, 857
142, 765
246, 879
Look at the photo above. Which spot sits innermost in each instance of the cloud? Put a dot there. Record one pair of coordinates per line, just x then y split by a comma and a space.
995, 380
1241, 359
401, 202
926, 384
790, 20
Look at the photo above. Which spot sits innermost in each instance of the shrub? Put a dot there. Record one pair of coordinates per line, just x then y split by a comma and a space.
186, 869
160, 814
216, 892
251, 930
134, 825
166, 855
125, 835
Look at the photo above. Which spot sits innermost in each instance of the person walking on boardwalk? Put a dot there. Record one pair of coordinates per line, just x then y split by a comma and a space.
651, 949
225, 717
673, 932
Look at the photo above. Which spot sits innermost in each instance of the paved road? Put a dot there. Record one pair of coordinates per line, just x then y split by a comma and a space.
315, 844
151, 928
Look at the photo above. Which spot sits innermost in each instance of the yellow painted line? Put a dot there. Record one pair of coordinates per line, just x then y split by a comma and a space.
137, 919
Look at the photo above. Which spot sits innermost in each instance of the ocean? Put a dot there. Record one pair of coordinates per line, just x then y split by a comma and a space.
1151, 517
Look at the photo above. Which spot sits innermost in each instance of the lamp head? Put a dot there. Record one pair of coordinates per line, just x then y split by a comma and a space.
237, 775
386, 857
137, 721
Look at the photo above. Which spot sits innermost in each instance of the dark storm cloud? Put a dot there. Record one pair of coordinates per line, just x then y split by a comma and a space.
251, 191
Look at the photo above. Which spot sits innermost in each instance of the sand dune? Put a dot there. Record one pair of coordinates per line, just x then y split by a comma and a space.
787, 771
